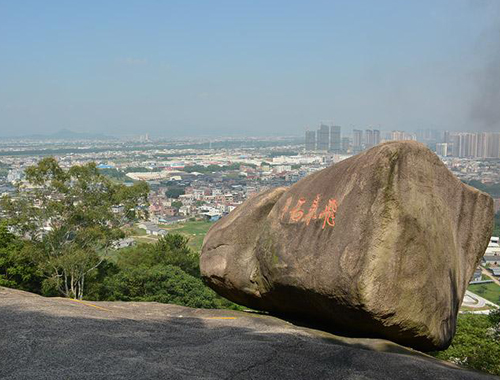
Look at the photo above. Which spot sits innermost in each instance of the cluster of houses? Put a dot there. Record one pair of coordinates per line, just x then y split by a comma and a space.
208, 205
152, 229
202, 202
491, 258
490, 261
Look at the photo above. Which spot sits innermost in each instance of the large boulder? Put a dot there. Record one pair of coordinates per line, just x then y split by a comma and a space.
382, 244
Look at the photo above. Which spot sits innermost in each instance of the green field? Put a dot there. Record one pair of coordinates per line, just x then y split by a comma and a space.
195, 231
490, 291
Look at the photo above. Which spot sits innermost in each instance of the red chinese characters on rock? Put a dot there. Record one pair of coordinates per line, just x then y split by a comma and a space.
311, 214
328, 214
285, 209
297, 214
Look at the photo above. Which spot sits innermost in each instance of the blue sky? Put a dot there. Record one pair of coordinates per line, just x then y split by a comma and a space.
176, 68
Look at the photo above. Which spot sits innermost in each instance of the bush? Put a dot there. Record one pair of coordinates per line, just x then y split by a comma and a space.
476, 345
161, 283
175, 191
172, 249
17, 269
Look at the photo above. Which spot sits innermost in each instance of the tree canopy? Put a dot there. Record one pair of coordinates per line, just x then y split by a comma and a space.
69, 218
476, 344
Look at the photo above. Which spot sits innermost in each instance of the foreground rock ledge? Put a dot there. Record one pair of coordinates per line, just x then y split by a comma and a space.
381, 244
56, 338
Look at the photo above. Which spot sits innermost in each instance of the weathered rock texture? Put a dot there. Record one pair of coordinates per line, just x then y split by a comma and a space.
58, 338
381, 244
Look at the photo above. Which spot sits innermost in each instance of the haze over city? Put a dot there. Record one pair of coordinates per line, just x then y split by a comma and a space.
248, 68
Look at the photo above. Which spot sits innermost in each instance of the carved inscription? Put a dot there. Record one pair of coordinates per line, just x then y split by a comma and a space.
298, 215
328, 215
285, 209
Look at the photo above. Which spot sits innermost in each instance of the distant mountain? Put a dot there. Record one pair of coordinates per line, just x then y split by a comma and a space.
66, 134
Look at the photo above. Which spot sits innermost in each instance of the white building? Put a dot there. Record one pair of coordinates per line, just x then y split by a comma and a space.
493, 247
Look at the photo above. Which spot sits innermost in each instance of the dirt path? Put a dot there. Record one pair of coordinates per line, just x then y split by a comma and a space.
487, 273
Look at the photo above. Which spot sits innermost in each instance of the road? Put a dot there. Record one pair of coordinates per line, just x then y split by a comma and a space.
475, 301
486, 272
56, 338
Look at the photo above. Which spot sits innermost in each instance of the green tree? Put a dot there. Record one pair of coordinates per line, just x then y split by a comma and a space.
174, 191
116, 175
494, 318
17, 269
177, 204
161, 283
481, 289
68, 218
492, 189
496, 228
171, 249
475, 344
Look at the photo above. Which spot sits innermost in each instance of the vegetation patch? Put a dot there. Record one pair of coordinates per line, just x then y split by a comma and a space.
489, 291
476, 344
195, 231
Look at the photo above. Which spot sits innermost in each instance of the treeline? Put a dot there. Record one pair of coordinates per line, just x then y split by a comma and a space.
496, 228
492, 189
165, 272
211, 168
120, 176
115, 174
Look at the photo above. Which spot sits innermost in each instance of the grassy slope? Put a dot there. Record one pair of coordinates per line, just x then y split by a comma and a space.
196, 231
490, 291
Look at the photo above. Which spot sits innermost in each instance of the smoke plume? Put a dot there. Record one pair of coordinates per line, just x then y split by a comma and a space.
485, 108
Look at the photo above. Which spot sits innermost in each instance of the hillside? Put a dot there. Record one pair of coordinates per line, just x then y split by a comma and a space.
60, 338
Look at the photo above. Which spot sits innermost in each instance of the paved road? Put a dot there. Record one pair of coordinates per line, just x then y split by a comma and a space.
473, 300
42, 338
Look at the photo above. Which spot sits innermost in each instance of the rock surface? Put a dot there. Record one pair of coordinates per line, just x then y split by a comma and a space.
381, 244
56, 338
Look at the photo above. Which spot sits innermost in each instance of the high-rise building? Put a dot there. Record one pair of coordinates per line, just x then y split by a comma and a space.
442, 149
456, 145
428, 135
494, 145
376, 137
335, 138
400, 136
482, 145
372, 138
323, 138
368, 138
357, 139
346, 144
447, 137
310, 140
474, 145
